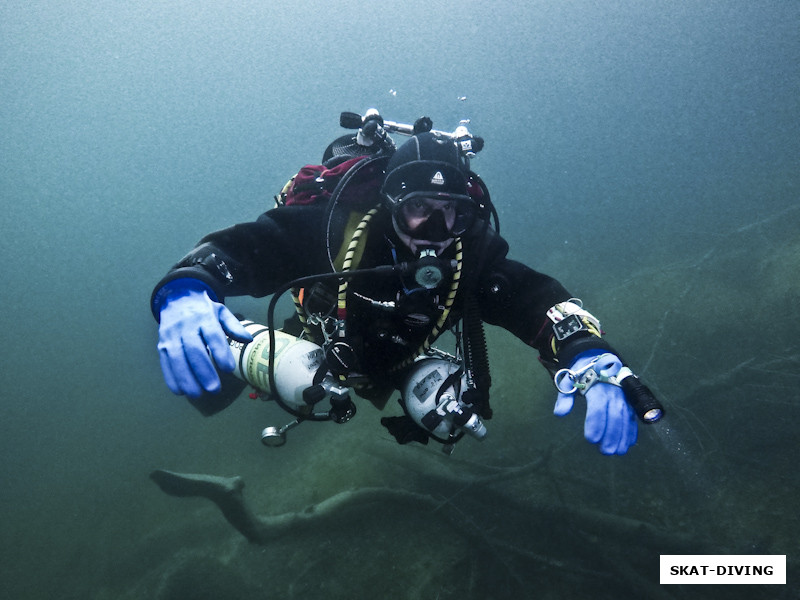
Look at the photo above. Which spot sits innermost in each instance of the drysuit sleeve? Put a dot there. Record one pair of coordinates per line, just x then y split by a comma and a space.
254, 258
516, 297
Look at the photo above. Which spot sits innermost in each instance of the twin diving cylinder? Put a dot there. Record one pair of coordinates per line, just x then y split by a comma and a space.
431, 392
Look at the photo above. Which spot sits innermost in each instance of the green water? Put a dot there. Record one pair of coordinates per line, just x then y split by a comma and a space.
645, 154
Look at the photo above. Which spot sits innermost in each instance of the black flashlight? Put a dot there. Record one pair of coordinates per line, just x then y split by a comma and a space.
642, 401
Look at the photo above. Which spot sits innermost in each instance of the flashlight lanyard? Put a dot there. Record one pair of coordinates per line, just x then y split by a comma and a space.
569, 381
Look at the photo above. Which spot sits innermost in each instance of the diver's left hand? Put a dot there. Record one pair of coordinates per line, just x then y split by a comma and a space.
610, 421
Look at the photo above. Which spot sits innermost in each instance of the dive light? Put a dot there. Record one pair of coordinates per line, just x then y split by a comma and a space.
642, 401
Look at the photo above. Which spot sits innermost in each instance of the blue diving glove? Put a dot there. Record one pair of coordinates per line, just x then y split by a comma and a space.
192, 341
610, 421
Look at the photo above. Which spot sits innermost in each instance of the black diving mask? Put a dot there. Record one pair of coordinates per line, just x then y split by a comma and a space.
434, 217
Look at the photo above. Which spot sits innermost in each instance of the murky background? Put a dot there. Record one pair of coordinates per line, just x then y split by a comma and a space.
644, 153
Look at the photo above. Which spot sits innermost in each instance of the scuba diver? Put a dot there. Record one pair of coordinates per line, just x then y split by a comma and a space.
384, 249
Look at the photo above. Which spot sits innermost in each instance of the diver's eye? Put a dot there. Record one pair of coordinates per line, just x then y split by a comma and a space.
417, 207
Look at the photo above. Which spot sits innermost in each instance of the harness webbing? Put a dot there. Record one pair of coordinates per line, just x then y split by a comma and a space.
353, 254
352, 247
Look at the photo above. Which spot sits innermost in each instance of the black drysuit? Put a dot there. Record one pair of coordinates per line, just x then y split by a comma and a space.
389, 316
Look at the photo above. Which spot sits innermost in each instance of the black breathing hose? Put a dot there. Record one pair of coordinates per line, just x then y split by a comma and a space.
476, 355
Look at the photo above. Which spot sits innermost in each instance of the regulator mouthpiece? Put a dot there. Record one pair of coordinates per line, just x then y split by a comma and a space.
429, 272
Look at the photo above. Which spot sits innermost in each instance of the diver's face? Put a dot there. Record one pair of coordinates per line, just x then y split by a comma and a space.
432, 220
417, 212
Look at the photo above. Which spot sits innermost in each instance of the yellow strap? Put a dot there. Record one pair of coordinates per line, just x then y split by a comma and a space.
354, 253
353, 222
356, 225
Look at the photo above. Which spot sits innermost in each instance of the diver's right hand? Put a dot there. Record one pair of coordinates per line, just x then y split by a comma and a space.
192, 340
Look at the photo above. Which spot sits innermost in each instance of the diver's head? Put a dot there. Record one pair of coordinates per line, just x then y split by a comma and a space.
426, 190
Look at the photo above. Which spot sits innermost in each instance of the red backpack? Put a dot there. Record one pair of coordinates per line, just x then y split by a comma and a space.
314, 183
